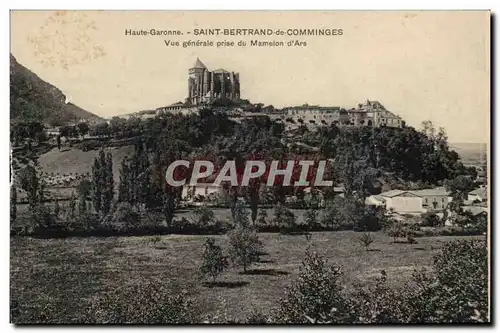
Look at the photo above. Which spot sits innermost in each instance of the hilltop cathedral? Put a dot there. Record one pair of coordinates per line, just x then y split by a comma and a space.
206, 86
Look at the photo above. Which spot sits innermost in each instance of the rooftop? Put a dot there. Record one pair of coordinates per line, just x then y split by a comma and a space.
438, 191
481, 192
199, 64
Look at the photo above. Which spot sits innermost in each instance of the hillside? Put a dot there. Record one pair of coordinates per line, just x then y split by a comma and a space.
31, 98
75, 161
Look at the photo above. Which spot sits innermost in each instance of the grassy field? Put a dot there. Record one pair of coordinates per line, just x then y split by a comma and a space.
73, 160
71, 271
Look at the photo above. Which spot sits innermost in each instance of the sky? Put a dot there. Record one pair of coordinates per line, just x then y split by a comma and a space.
421, 65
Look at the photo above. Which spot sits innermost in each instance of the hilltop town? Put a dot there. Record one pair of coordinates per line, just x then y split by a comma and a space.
220, 89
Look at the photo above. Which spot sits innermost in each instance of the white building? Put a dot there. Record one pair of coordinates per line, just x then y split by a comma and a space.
480, 194
200, 190
412, 201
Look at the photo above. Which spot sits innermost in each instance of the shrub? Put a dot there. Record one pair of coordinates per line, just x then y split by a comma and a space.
214, 262
262, 217
155, 239
245, 247
203, 216
366, 239
410, 237
457, 291
285, 219
396, 230
311, 217
317, 295
462, 271
90, 145
379, 303
430, 220
257, 318
369, 220
149, 302
124, 218
342, 213
241, 215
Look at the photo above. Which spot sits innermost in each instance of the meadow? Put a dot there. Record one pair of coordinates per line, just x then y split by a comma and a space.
55, 279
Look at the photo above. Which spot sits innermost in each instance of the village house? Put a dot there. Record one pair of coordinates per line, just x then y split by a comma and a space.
200, 190
412, 201
476, 210
480, 194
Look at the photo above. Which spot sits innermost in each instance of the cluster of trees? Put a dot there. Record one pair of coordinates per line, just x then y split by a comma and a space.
27, 130
74, 131
362, 157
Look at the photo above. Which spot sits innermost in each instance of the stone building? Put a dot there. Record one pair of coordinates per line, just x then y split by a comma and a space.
377, 115
205, 86
371, 114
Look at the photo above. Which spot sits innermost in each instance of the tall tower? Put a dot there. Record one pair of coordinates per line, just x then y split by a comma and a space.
195, 82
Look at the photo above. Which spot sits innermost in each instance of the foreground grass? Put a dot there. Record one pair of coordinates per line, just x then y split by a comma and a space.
71, 272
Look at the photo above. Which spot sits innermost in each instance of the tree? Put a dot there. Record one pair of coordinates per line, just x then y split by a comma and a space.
102, 183
253, 191
245, 246
33, 183
459, 186
343, 213
214, 262
241, 215
284, 218
57, 209
13, 203
125, 185
83, 128
67, 131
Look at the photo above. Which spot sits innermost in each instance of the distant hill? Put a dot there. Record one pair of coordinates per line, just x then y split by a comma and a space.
471, 153
31, 98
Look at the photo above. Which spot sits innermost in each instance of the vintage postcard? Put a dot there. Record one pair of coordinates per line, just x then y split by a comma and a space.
250, 167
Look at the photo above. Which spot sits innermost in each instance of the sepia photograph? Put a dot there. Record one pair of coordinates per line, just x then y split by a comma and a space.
250, 167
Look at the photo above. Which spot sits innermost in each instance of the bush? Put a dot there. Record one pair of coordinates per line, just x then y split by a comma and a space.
285, 219
397, 230
317, 295
366, 239
245, 247
430, 220
124, 218
90, 145
311, 217
262, 219
149, 302
342, 213
462, 272
203, 216
379, 304
214, 262
457, 292
372, 219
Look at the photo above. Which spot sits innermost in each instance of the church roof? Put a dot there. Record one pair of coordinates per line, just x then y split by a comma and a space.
199, 64
220, 70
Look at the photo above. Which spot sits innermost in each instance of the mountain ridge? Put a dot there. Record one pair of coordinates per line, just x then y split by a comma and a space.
33, 99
